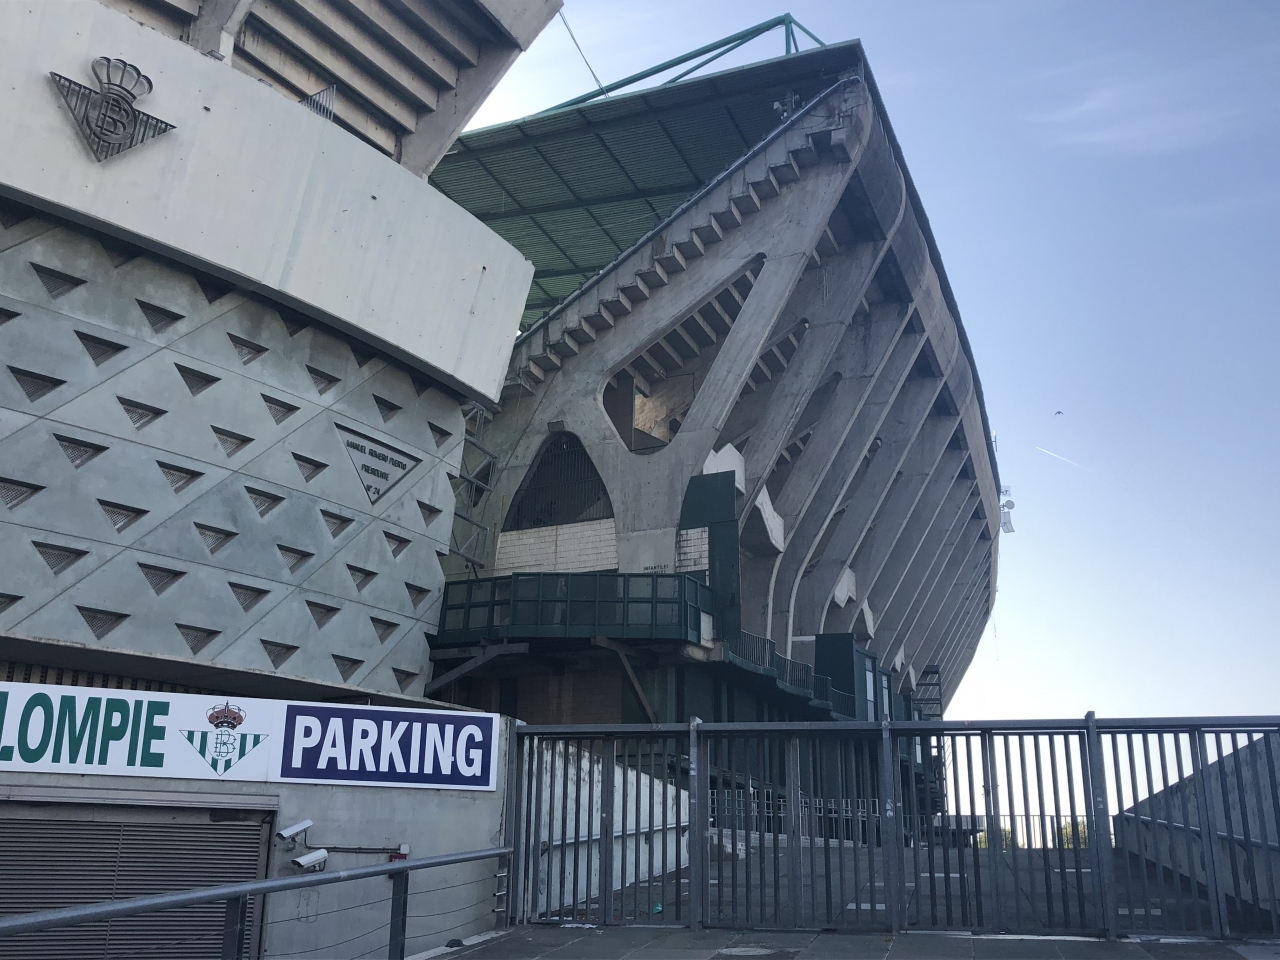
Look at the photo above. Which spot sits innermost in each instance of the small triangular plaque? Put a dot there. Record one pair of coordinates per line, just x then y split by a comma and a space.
380, 466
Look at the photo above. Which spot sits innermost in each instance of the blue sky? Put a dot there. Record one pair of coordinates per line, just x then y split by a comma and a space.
1103, 180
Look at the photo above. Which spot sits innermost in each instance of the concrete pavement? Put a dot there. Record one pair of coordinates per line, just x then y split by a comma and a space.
674, 943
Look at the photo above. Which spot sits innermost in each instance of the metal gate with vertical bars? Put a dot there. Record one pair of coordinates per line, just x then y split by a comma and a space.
1102, 827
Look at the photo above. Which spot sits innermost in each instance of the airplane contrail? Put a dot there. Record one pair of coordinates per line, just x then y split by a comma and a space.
1063, 459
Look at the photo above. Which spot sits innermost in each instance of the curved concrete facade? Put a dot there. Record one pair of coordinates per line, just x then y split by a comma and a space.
792, 326
235, 360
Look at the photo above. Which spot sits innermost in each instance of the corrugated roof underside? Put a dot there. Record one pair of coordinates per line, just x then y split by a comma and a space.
574, 188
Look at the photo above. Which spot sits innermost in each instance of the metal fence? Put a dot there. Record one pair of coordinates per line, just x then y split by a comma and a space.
1097, 827
20, 934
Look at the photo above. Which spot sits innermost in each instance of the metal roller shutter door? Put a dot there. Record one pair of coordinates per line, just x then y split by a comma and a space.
51, 863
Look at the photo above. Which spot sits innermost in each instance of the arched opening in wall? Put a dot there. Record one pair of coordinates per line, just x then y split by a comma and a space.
561, 518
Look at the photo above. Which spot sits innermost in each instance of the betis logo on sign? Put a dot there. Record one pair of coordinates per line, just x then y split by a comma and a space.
380, 466
222, 747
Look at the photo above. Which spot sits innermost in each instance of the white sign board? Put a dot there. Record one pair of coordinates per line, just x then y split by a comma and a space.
132, 733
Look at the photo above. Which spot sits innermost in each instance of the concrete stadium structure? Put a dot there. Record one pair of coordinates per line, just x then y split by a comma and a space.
240, 336
742, 362
211, 339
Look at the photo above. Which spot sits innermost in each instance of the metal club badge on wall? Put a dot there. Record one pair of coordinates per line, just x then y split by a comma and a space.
106, 117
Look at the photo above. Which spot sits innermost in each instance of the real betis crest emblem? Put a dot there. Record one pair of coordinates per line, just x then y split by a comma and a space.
223, 747
106, 117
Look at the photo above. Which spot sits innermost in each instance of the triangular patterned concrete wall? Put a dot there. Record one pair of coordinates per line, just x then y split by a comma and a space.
175, 482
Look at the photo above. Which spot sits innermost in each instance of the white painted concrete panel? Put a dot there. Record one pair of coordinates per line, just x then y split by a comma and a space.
261, 190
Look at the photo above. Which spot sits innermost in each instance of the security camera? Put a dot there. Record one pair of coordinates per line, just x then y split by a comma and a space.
314, 860
288, 833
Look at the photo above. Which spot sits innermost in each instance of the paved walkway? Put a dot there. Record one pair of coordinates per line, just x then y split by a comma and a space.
659, 943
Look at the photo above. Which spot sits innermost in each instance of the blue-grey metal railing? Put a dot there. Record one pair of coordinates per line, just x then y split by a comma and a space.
237, 897
1098, 827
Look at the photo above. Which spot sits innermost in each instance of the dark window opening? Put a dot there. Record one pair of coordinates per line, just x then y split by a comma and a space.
563, 486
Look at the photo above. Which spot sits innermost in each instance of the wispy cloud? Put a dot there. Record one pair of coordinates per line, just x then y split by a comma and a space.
1119, 106
1058, 456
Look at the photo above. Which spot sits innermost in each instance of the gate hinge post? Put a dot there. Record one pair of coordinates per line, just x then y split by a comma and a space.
233, 925
697, 828
891, 838
1099, 826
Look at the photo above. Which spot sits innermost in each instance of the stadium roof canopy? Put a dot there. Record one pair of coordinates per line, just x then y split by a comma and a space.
573, 187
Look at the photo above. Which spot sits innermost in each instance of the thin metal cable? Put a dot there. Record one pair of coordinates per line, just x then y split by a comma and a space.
583, 55
369, 903
433, 933
330, 946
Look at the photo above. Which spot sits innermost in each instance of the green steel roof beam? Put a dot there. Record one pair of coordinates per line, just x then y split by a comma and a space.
731, 42
807, 32
715, 56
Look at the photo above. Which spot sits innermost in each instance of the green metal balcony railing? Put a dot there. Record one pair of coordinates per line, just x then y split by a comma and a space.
759, 655
636, 606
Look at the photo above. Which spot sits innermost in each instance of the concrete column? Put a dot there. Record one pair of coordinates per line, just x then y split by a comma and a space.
916, 492
907, 638
906, 419
871, 528
786, 259
873, 350
956, 577
964, 650
827, 298
975, 618
938, 505
820, 484
949, 627
923, 571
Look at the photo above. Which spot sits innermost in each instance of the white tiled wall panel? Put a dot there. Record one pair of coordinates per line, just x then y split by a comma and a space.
692, 550
569, 548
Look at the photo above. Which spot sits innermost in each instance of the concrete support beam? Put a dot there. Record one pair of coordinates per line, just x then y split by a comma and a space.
956, 611
969, 632
863, 356
898, 432
783, 267
924, 569
882, 502
826, 298
966, 643
937, 582
422, 149
925, 476
214, 30
934, 514
822, 476
956, 576
951, 681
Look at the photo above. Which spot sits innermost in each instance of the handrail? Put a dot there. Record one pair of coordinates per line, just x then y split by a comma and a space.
109, 910
693, 200
909, 727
